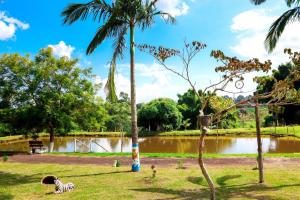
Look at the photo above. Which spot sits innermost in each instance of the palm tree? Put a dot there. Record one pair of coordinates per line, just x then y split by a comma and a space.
116, 19
279, 25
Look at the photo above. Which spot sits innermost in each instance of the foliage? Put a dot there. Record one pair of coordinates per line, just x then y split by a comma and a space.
5, 157
283, 87
115, 18
45, 94
118, 118
160, 115
269, 121
189, 104
231, 69
280, 24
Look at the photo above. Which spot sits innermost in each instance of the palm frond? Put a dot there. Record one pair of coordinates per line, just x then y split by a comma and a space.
110, 29
98, 8
120, 43
167, 17
119, 46
110, 88
257, 2
146, 16
278, 27
292, 2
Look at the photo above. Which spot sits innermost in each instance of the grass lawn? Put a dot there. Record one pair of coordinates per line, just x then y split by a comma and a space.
22, 181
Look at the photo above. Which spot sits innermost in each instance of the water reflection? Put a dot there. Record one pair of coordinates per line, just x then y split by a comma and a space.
222, 145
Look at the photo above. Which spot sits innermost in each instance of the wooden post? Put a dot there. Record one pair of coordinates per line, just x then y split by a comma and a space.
91, 140
259, 143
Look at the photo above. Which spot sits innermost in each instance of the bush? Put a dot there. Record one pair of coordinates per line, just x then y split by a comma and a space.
269, 121
5, 158
160, 115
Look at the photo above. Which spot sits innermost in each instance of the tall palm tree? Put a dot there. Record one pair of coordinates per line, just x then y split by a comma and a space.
279, 25
116, 19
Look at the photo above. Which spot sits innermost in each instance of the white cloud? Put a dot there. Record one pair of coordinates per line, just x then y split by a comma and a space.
251, 28
9, 26
61, 49
174, 7
152, 82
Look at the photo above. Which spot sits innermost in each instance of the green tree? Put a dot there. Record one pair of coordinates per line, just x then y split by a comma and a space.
266, 84
45, 94
91, 115
119, 114
217, 104
160, 115
189, 105
277, 28
117, 18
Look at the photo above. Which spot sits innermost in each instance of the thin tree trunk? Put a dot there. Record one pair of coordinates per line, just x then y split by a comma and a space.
134, 129
259, 145
201, 163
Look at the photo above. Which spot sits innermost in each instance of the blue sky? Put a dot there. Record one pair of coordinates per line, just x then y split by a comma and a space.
233, 26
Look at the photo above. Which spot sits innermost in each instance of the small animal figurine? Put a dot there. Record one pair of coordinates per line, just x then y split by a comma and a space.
61, 188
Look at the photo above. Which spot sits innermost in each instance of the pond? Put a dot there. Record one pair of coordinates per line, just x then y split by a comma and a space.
221, 145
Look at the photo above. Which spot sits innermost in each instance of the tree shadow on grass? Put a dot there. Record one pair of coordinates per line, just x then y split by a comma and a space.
4, 196
178, 194
96, 174
224, 191
196, 180
11, 179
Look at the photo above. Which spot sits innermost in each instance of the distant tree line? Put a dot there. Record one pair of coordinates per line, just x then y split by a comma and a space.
54, 95
282, 114
166, 114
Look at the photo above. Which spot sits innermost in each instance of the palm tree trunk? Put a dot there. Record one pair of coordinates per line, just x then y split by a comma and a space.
201, 162
134, 129
259, 145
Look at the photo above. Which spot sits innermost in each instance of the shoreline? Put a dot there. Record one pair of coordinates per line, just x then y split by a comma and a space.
293, 131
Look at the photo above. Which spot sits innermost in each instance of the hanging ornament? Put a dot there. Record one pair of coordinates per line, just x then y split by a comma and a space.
239, 84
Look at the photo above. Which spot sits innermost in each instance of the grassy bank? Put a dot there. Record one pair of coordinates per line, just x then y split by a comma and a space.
13, 137
280, 131
22, 181
179, 155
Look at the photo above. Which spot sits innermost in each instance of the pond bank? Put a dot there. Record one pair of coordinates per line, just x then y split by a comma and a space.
291, 131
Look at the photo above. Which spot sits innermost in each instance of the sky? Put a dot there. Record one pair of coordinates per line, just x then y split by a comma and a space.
236, 27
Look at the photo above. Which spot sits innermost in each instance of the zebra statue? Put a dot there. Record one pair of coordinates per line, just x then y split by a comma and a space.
60, 187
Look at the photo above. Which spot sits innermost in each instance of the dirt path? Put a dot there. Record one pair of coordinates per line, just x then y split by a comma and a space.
149, 161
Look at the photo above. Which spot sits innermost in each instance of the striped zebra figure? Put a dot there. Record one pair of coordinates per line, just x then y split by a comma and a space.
60, 187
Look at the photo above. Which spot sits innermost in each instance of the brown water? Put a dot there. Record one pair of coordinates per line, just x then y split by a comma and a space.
222, 145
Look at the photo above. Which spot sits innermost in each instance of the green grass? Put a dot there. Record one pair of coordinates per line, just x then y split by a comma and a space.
22, 181
13, 137
280, 131
177, 155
